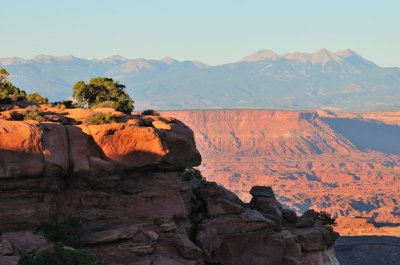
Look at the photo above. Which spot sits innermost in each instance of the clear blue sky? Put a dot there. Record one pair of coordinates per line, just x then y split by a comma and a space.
211, 31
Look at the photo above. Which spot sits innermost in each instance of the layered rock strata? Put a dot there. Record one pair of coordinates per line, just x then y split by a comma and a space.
124, 181
347, 164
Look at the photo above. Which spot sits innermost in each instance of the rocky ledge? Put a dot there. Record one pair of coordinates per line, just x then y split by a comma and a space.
126, 182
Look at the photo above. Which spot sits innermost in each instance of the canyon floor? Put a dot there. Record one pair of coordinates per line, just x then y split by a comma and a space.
344, 163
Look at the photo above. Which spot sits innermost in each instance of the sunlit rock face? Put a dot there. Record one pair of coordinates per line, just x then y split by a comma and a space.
347, 164
125, 182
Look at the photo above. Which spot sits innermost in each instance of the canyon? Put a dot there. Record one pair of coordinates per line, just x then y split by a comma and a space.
128, 184
344, 163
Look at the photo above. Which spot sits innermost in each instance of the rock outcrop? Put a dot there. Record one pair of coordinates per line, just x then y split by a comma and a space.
124, 181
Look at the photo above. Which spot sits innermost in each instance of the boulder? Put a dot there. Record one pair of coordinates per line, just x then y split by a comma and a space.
142, 249
268, 207
311, 239
25, 241
262, 191
31, 149
20, 150
220, 201
289, 216
111, 235
308, 219
186, 247
9, 260
5, 248
56, 160
250, 215
265, 202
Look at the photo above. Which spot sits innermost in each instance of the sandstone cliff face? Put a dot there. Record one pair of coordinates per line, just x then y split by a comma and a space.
262, 132
120, 178
345, 163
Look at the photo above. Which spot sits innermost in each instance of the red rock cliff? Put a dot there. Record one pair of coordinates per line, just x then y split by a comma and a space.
120, 178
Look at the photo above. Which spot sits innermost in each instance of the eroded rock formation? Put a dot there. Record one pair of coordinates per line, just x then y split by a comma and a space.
347, 164
124, 181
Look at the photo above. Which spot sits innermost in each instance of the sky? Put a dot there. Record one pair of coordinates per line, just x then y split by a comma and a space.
211, 31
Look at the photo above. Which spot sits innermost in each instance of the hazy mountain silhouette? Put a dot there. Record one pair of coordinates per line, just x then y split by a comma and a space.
341, 79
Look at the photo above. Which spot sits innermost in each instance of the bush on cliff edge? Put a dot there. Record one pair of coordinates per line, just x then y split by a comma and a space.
98, 118
150, 112
31, 113
326, 218
192, 174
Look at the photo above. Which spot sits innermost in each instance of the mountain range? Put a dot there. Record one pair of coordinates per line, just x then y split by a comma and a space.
265, 79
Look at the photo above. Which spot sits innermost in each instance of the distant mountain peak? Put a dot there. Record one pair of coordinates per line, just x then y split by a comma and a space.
355, 58
260, 55
66, 58
115, 58
323, 56
168, 60
346, 53
44, 58
12, 60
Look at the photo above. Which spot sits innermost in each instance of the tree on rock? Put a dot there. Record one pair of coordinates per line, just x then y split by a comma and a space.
3, 74
100, 90
9, 92
37, 98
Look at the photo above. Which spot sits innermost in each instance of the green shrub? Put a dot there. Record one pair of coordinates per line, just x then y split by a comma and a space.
66, 232
9, 92
192, 173
68, 104
106, 104
33, 113
16, 116
58, 255
158, 221
326, 218
98, 118
36, 98
65, 104
150, 112
30, 113
60, 106
26, 259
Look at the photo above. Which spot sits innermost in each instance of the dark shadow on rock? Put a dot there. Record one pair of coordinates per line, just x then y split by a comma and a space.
368, 135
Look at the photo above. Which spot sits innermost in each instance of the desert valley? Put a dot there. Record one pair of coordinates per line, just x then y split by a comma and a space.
200, 132
344, 163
